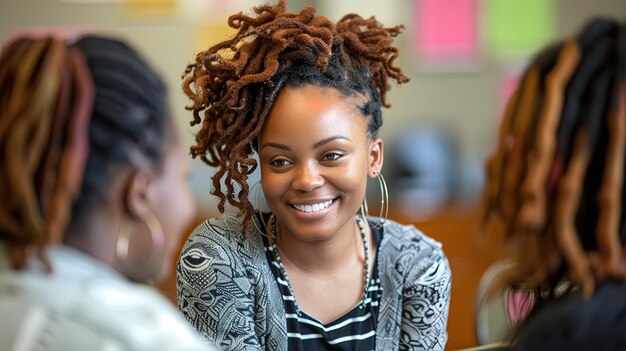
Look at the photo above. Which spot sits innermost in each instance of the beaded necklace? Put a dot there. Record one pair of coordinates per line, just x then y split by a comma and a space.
283, 271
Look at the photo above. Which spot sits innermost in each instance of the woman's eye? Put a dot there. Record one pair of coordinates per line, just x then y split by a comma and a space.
280, 163
332, 156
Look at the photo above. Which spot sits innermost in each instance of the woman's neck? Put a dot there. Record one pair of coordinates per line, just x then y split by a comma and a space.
95, 235
322, 258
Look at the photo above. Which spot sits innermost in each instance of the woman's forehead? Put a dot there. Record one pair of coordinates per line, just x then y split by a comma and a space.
314, 107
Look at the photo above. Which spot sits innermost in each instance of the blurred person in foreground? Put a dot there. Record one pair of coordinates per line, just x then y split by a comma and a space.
555, 188
94, 198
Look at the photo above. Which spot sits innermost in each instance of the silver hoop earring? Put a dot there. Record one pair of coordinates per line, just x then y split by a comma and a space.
384, 200
256, 189
363, 210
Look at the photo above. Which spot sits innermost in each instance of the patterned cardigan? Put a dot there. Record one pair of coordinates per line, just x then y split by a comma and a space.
228, 293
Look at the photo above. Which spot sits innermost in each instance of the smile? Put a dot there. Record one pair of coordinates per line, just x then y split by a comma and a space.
313, 207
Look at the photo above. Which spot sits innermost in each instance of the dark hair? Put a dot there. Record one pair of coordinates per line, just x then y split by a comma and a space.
70, 116
234, 83
130, 118
556, 179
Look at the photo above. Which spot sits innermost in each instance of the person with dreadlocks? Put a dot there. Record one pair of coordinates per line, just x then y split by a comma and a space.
315, 273
555, 187
94, 195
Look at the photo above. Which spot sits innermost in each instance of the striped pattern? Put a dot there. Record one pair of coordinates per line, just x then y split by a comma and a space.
355, 330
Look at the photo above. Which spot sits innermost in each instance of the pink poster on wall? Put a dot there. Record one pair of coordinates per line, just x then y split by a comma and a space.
446, 29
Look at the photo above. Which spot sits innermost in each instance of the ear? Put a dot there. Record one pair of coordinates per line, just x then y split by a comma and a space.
136, 194
375, 150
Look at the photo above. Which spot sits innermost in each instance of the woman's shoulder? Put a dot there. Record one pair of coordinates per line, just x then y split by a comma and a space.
220, 239
403, 236
225, 231
576, 323
137, 315
82, 296
407, 250
226, 226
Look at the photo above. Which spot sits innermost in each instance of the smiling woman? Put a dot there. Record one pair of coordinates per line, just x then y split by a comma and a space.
315, 160
316, 273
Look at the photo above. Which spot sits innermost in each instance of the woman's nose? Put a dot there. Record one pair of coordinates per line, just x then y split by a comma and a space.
307, 178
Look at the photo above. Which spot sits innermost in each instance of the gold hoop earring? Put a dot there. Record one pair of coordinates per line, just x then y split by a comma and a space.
123, 240
157, 234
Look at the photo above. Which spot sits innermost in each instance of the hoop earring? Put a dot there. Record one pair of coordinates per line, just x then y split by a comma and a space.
256, 189
364, 210
384, 200
155, 228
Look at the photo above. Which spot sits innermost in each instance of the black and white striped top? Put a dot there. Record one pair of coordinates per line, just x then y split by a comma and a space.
354, 331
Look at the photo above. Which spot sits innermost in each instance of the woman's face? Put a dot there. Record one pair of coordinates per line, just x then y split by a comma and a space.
171, 200
315, 160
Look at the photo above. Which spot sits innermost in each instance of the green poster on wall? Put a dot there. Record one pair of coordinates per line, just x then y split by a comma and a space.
516, 28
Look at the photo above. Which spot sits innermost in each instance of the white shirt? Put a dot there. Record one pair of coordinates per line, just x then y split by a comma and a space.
85, 305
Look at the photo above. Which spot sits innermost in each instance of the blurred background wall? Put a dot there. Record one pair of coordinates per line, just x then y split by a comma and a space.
463, 57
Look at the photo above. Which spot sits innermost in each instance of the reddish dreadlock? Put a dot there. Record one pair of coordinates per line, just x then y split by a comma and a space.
556, 179
233, 84
44, 86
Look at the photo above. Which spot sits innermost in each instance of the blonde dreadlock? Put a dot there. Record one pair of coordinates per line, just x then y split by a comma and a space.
556, 178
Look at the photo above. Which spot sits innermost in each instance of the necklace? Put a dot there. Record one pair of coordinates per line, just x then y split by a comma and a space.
283, 271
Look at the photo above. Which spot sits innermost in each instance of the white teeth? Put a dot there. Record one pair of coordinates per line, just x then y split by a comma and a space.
314, 207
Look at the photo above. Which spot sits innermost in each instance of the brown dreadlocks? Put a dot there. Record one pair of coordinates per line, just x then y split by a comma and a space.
556, 179
234, 83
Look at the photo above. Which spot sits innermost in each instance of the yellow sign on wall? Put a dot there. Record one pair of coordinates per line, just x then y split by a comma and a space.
150, 8
208, 34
